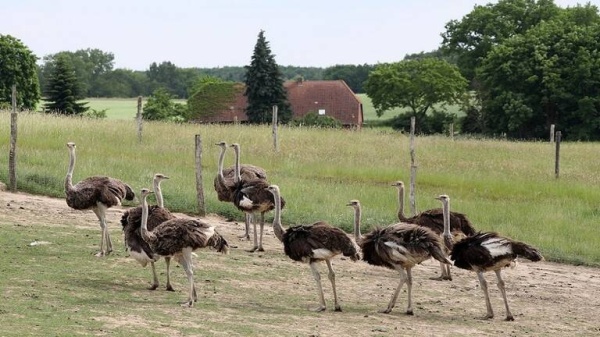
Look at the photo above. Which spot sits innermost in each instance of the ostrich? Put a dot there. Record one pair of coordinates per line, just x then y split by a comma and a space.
132, 222
252, 196
487, 251
460, 226
224, 182
399, 247
96, 193
312, 244
178, 238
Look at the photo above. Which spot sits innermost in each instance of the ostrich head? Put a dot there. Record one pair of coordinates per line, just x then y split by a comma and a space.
160, 177
144, 192
353, 203
235, 146
71, 145
273, 189
443, 198
398, 184
222, 144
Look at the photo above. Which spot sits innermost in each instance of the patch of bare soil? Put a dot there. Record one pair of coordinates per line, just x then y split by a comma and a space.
546, 298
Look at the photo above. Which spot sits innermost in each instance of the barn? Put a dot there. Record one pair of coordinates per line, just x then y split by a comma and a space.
327, 98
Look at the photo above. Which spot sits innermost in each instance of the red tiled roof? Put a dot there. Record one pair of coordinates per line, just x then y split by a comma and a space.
333, 98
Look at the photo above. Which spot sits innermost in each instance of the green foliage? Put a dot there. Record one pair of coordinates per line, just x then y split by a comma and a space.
473, 37
354, 76
313, 119
93, 113
160, 106
549, 75
211, 95
90, 65
437, 122
264, 86
63, 90
17, 67
416, 84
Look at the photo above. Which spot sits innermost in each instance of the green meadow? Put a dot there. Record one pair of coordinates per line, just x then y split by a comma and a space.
504, 186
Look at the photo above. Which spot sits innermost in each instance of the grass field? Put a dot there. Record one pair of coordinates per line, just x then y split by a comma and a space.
504, 186
126, 108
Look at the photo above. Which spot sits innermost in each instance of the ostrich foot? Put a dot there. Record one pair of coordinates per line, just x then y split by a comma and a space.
169, 288
509, 318
261, 249
153, 287
338, 308
245, 236
409, 312
189, 303
385, 311
100, 254
441, 278
319, 309
252, 250
486, 317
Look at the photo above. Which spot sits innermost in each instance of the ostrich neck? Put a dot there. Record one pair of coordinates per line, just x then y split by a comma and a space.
158, 192
238, 176
401, 215
146, 235
221, 159
277, 228
69, 177
357, 215
446, 214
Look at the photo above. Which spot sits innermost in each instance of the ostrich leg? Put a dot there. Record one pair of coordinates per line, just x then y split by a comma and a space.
509, 316
313, 268
488, 304
331, 276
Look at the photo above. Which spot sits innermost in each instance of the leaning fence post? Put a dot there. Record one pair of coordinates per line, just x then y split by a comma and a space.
138, 118
557, 156
199, 185
413, 168
12, 155
275, 140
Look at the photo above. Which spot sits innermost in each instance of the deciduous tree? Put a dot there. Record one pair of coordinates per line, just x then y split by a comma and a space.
415, 84
17, 67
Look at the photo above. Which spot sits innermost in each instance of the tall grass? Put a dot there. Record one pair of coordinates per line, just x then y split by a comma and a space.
503, 186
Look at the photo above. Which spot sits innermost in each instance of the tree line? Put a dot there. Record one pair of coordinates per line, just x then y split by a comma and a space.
514, 67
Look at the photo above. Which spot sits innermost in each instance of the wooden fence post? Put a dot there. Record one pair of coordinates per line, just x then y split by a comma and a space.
199, 185
12, 155
557, 157
451, 131
551, 133
413, 168
138, 118
275, 139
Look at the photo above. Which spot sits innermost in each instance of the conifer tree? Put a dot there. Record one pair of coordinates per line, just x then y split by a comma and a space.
63, 90
264, 86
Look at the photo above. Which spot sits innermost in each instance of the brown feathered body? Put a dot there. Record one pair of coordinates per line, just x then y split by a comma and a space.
489, 251
132, 223
401, 245
171, 237
312, 244
253, 196
317, 242
460, 226
225, 186
93, 190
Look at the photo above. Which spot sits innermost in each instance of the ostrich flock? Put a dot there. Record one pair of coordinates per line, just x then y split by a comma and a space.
152, 232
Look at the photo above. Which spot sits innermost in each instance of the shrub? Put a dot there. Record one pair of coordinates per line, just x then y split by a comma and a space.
314, 119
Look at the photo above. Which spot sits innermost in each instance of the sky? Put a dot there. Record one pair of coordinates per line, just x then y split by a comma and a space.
218, 33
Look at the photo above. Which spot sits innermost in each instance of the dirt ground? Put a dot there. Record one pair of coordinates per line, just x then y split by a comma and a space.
546, 298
